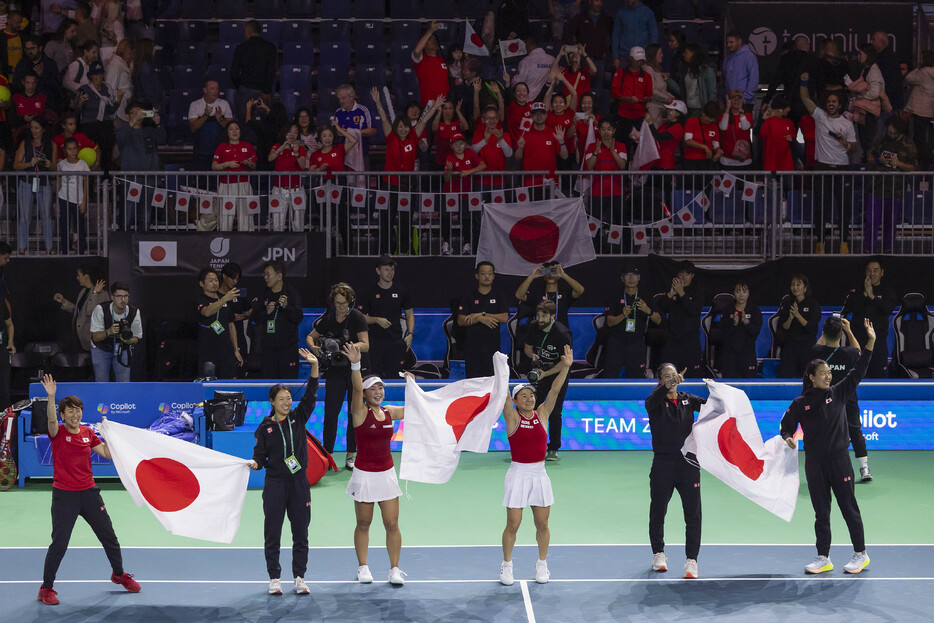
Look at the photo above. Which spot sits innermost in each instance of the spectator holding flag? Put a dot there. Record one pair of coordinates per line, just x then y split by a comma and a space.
527, 484
374, 477
519, 111
539, 148
821, 412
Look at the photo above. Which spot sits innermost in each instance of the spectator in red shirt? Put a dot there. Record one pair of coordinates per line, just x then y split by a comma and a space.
69, 123
28, 104
606, 192
579, 69
777, 134
632, 87
519, 111
493, 146
583, 118
736, 134
329, 160
459, 167
450, 122
288, 154
561, 114
233, 155
538, 150
401, 151
668, 134
430, 68
702, 145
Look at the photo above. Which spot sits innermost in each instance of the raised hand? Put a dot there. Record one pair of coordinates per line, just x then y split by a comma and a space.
870, 331
352, 352
568, 357
307, 355
48, 384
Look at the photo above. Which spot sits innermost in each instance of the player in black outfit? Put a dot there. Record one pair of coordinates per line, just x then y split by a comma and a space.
383, 307
682, 307
671, 416
544, 345
821, 412
277, 318
283, 451
218, 345
736, 333
343, 323
799, 316
627, 317
481, 311
875, 302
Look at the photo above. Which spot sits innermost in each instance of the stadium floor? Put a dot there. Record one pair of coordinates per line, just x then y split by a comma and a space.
750, 563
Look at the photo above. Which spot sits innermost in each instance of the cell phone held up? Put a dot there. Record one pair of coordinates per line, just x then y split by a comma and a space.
548, 271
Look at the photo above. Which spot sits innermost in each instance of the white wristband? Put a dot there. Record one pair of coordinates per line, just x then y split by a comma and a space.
355, 366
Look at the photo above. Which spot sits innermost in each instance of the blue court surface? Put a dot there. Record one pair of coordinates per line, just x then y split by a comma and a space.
747, 583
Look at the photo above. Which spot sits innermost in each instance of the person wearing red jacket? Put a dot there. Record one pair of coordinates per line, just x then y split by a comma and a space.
608, 155
632, 87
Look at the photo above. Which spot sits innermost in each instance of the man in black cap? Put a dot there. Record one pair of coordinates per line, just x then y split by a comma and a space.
627, 317
383, 307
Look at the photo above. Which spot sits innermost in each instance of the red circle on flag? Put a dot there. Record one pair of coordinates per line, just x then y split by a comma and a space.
206, 203
157, 253
320, 194
460, 412
474, 201
403, 202
727, 183
166, 484
183, 201
614, 234
381, 200
640, 235
274, 203
522, 197
749, 192
513, 47
254, 204
736, 450
686, 217
158, 197
452, 201
228, 205
134, 192
498, 199
716, 182
297, 201
476, 40
335, 194
358, 197
592, 226
663, 229
535, 238
426, 202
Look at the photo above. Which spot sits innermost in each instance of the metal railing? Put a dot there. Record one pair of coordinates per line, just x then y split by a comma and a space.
745, 214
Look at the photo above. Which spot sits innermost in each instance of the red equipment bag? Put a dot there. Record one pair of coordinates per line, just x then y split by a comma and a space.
319, 459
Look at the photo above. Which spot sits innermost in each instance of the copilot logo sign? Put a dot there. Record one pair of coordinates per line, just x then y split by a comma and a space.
877, 421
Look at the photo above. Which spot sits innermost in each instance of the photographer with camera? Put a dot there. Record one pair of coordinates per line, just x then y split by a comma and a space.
556, 286
544, 345
383, 307
277, 318
341, 324
116, 327
218, 349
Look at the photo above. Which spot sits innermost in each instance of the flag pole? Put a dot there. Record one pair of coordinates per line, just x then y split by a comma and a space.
499, 42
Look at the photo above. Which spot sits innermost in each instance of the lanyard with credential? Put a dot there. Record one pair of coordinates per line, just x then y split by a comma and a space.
290, 461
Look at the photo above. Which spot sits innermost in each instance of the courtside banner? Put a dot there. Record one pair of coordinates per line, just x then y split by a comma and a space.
166, 255
767, 26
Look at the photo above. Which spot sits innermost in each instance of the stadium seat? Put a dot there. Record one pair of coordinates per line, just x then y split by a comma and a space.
370, 53
800, 207
295, 77
330, 77
336, 56
301, 8
229, 31
690, 30
443, 10
712, 33
234, 9
678, 9
192, 31
682, 198
222, 53
401, 55
272, 9
334, 31
405, 9
221, 73
272, 31
299, 30
166, 33
298, 53
403, 31
370, 9
918, 208
188, 77
367, 31
727, 210
191, 53
293, 100
756, 210
913, 326
721, 303
334, 9
202, 9
369, 76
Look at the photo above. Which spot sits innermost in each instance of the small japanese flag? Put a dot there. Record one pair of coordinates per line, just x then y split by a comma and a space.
298, 200
182, 201
382, 200
405, 202
749, 191
205, 204
665, 229
684, 216
335, 194
158, 198
526, 124
357, 197
473, 44
639, 235
276, 203
522, 195
615, 235
474, 202
426, 203
498, 196
229, 204
134, 192
512, 47
451, 203
321, 194
728, 183
252, 204
594, 225
717, 181
702, 200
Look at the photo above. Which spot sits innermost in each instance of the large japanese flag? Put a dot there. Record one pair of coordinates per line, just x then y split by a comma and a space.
473, 44
158, 253
728, 444
517, 237
647, 151
441, 424
193, 491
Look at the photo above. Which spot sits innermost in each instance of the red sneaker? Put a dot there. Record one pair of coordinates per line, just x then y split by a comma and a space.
126, 580
48, 597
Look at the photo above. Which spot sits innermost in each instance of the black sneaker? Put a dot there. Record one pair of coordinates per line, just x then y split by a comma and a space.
551, 455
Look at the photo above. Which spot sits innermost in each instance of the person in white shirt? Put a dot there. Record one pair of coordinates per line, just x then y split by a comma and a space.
72, 198
111, 346
118, 78
533, 69
76, 74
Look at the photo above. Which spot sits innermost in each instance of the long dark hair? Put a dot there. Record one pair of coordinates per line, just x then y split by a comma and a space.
312, 127
812, 369
697, 59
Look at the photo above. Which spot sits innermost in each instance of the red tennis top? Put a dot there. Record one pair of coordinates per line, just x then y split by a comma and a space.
373, 438
529, 441
71, 459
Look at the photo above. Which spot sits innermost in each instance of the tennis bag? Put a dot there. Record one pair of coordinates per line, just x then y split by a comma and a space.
319, 459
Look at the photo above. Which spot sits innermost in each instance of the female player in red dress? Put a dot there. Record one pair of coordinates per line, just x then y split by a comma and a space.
527, 484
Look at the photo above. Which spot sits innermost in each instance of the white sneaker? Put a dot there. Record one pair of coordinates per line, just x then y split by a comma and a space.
505, 573
363, 574
275, 587
690, 569
349, 461
445, 248
396, 576
542, 574
300, 587
821, 564
864, 474
659, 562
466, 250
857, 563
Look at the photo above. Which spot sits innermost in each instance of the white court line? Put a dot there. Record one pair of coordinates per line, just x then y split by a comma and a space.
522, 583
527, 599
485, 545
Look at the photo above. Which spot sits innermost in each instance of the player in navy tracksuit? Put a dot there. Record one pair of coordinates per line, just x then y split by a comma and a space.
821, 411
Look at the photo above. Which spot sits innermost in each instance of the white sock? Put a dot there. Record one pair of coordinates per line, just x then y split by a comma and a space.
863, 461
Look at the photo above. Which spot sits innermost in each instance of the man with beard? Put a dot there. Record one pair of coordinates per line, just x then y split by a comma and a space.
874, 302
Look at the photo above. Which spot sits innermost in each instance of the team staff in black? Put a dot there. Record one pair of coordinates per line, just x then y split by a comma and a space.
282, 449
346, 325
737, 331
875, 302
841, 360
821, 412
240, 305
627, 318
218, 347
671, 416
383, 307
556, 286
544, 345
682, 307
481, 311
277, 320
798, 318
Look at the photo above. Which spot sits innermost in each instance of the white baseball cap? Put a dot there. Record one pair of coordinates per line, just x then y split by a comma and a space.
678, 105
518, 388
637, 53
371, 381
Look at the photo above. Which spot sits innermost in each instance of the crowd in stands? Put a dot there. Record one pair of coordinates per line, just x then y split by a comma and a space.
91, 74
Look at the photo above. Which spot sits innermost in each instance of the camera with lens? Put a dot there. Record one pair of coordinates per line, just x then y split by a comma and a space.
124, 331
534, 375
332, 353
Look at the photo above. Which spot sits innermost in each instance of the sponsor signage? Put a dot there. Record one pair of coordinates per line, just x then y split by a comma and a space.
186, 254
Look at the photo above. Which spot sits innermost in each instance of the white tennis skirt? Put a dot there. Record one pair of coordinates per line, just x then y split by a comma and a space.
527, 484
373, 486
